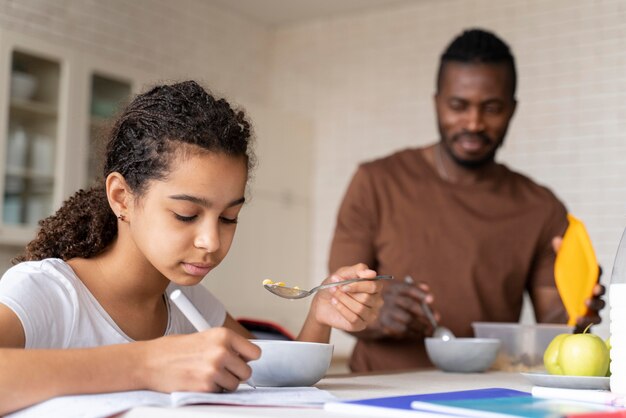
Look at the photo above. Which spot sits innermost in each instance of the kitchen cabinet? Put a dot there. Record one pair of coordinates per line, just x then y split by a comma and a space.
34, 116
54, 112
107, 94
32, 136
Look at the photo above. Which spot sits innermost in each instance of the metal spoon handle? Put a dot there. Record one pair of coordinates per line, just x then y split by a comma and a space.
427, 311
333, 284
429, 314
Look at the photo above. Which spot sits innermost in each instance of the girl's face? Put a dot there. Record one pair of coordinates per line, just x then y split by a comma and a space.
184, 225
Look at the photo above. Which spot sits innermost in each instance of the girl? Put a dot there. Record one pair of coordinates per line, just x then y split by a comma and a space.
86, 309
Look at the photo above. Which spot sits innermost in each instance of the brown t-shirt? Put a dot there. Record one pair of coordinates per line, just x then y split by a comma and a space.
477, 246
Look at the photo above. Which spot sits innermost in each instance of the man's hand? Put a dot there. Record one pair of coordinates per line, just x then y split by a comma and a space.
594, 305
401, 315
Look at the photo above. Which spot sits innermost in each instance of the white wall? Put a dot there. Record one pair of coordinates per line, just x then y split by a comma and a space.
367, 81
190, 39
273, 239
182, 39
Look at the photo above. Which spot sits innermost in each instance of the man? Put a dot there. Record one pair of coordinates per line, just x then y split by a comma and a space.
457, 230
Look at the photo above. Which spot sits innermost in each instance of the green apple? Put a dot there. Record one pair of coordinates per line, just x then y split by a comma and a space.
583, 355
551, 355
608, 345
577, 355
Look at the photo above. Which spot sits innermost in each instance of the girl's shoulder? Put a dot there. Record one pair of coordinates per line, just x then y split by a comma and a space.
51, 267
41, 274
46, 297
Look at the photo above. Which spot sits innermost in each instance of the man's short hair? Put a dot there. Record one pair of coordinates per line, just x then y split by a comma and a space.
478, 46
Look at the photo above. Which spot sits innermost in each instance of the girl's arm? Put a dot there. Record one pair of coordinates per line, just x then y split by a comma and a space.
32, 376
349, 308
206, 361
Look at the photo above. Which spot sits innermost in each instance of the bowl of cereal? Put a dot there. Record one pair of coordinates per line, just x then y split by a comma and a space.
290, 363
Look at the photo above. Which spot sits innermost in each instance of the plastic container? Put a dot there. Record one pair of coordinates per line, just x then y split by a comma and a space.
523, 345
617, 315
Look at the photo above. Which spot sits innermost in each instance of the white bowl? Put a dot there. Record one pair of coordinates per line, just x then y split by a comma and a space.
23, 85
463, 355
290, 363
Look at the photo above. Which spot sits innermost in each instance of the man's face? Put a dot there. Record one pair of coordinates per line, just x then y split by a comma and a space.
474, 107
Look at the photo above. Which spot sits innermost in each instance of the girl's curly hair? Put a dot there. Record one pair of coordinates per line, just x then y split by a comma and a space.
141, 147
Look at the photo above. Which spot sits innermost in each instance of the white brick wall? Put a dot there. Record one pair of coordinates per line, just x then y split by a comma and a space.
181, 39
169, 40
186, 39
367, 81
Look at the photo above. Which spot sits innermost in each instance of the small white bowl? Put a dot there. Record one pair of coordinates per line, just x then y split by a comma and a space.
463, 355
290, 363
23, 85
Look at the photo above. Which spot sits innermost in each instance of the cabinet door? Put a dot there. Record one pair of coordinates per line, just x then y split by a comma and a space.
103, 87
108, 94
32, 130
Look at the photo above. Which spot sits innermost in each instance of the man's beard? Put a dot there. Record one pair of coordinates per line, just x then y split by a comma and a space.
471, 164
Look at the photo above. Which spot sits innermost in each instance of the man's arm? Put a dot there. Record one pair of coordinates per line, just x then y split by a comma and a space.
547, 305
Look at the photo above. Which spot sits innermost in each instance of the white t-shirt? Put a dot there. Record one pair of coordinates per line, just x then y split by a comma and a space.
58, 311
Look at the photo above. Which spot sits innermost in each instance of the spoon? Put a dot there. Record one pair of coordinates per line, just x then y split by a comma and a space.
439, 331
296, 293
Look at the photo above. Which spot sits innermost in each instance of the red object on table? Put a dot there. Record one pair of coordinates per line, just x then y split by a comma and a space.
266, 329
609, 414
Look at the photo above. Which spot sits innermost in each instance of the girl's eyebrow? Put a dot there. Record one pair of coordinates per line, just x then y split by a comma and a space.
204, 202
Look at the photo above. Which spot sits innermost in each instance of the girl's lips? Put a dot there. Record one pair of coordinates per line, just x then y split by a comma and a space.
197, 269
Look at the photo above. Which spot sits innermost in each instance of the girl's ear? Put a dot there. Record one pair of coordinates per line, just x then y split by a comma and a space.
118, 194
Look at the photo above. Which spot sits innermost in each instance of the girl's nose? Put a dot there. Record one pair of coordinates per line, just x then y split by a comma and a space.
208, 239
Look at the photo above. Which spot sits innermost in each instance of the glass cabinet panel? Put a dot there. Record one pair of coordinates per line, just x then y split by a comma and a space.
31, 139
107, 96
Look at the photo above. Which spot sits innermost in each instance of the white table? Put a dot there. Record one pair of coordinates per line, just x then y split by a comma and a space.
353, 386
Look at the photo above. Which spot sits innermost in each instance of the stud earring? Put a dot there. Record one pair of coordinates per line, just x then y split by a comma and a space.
121, 217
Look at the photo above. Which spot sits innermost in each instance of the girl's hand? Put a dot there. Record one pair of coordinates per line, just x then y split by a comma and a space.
215, 360
351, 307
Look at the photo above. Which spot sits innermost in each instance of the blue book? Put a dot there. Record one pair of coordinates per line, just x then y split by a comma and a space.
521, 406
401, 406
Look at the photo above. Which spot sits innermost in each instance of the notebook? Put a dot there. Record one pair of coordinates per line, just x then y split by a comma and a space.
401, 406
520, 406
107, 404
604, 397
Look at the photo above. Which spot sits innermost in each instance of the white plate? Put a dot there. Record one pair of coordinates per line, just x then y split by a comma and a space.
568, 382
